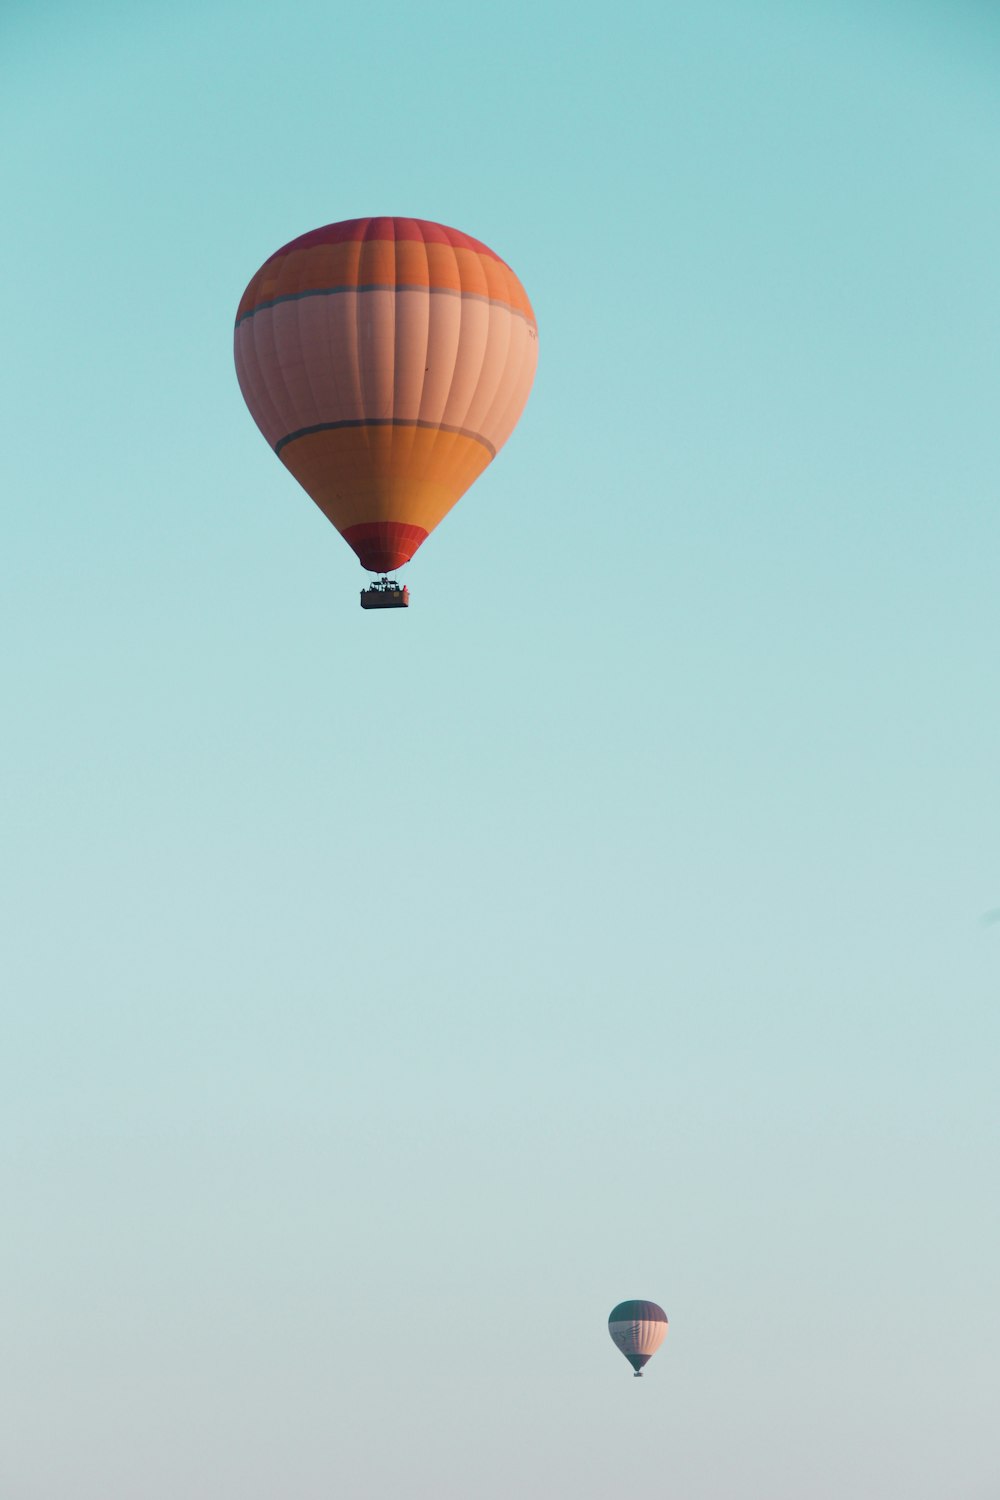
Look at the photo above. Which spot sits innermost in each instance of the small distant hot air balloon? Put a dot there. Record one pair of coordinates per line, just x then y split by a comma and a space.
385, 361
638, 1329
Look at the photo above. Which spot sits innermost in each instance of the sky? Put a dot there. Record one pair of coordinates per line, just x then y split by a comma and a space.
385, 997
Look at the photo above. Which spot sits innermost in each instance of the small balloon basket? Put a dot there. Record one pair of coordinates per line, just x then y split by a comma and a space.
385, 594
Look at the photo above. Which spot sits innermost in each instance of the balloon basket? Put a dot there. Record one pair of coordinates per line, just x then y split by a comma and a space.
385, 594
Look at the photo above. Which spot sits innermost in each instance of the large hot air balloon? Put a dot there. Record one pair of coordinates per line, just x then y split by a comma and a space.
385, 361
638, 1329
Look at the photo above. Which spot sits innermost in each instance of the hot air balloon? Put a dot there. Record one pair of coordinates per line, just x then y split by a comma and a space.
386, 361
638, 1329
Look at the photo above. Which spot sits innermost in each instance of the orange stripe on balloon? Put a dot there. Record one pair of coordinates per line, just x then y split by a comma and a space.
364, 474
361, 264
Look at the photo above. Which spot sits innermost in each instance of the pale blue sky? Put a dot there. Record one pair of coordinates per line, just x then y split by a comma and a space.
385, 997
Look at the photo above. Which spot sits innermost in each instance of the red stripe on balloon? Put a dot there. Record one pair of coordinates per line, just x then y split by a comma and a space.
354, 230
384, 546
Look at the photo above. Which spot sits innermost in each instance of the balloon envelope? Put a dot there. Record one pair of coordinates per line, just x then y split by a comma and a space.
638, 1329
385, 361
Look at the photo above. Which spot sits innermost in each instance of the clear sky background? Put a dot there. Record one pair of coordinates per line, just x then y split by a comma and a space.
387, 996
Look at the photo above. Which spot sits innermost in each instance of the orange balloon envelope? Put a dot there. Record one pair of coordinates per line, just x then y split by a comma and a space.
385, 361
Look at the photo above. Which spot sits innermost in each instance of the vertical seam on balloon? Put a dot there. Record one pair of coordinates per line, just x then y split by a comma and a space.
425, 355
482, 359
521, 390
525, 377
277, 364
305, 366
250, 377
356, 362
392, 308
271, 370
483, 422
261, 375
400, 441
434, 452
437, 320
333, 341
